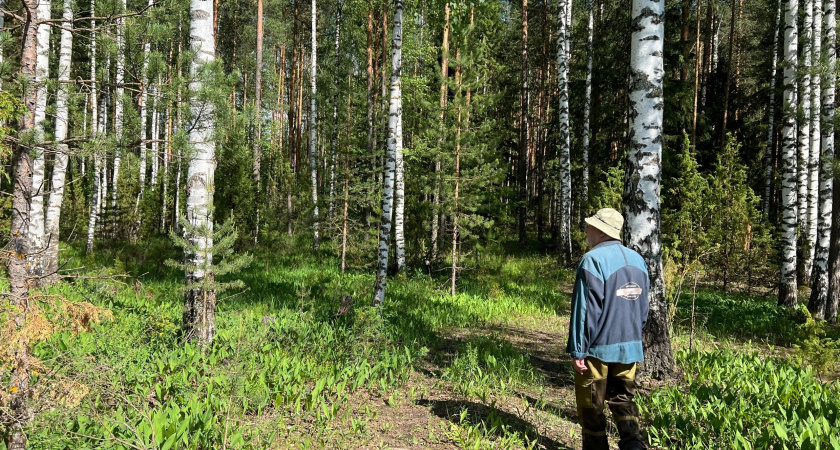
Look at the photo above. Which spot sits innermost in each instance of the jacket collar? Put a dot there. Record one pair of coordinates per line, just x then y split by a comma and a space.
607, 243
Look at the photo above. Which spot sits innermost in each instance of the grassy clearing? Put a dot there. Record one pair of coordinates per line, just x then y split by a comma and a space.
483, 369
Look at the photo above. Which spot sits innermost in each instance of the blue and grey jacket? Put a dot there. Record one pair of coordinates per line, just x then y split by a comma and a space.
609, 305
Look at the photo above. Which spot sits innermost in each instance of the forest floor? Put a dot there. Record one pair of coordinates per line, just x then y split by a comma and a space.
291, 367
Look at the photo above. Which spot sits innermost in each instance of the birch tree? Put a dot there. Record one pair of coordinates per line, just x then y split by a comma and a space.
564, 197
641, 201
813, 163
804, 133
119, 90
36, 206
394, 145
61, 157
313, 129
820, 284
144, 135
334, 135
787, 226
199, 302
94, 128
587, 106
768, 155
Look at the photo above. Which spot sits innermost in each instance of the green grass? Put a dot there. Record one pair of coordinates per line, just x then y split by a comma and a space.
285, 370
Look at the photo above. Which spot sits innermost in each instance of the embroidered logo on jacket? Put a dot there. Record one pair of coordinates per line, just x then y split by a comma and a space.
630, 291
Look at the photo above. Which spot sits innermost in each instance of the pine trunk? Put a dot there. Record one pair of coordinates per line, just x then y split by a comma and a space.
199, 302
787, 225
61, 157
642, 181
334, 136
444, 92
394, 146
313, 131
18, 246
522, 165
820, 292
833, 300
258, 118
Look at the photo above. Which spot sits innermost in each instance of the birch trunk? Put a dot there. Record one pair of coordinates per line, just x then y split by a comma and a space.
164, 197
334, 137
814, 155
444, 74
787, 226
564, 198
94, 128
155, 133
18, 246
313, 130
144, 134
820, 292
394, 145
768, 155
199, 300
118, 112
258, 118
587, 107
36, 206
642, 182
804, 129
61, 157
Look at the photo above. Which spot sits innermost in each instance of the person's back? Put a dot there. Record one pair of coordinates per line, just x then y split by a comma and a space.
609, 310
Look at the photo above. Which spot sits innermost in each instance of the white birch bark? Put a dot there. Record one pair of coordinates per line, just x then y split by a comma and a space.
94, 128
399, 207
313, 129
144, 134
814, 155
61, 157
804, 126
564, 199
642, 230
768, 155
200, 304
36, 205
587, 107
334, 137
118, 110
787, 209
153, 154
394, 145
164, 200
820, 284
104, 103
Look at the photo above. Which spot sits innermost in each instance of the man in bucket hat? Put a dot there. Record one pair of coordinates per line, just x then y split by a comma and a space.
609, 310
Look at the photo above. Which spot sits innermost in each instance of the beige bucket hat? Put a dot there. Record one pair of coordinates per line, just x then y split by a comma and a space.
607, 220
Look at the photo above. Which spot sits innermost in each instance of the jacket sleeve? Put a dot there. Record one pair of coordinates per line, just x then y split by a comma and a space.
578, 344
646, 303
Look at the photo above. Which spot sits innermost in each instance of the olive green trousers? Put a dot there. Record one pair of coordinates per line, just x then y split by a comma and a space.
614, 384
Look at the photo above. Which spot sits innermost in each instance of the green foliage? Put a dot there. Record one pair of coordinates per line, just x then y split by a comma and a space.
743, 401
813, 348
609, 190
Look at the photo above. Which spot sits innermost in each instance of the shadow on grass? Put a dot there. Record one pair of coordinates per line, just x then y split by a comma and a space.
478, 414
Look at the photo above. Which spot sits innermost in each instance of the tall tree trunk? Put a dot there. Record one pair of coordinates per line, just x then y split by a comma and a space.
394, 144
771, 108
164, 195
399, 202
814, 155
727, 87
18, 246
346, 174
685, 44
642, 181
334, 137
820, 291
153, 89
587, 106
144, 134
697, 66
804, 129
522, 167
199, 301
444, 92
787, 226
564, 198
313, 130
94, 128
36, 207
118, 112
455, 206
258, 118
61, 157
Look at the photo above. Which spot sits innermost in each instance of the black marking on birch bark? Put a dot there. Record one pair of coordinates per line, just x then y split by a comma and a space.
636, 24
